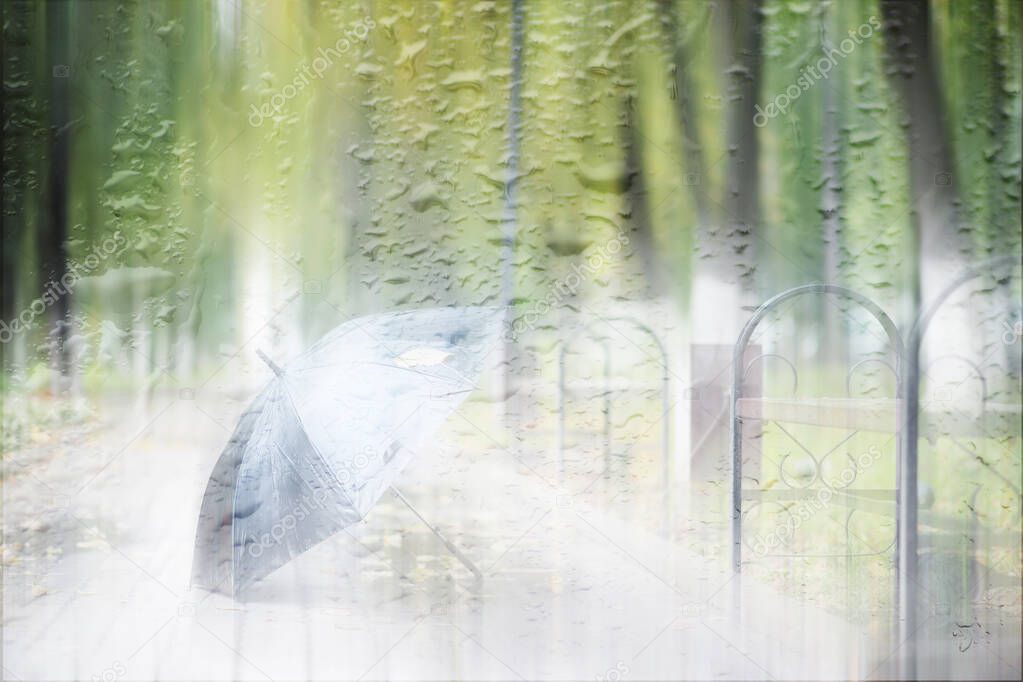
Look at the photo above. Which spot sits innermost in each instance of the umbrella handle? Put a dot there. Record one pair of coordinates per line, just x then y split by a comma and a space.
447, 543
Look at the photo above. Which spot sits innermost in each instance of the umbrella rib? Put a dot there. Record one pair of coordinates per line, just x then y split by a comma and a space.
316, 451
283, 454
459, 376
273, 365
447, 543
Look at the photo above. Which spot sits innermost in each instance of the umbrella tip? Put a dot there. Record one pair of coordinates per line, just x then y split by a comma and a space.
273, 365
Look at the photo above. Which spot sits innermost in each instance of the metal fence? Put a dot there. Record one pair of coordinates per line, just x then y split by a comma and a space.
900, 415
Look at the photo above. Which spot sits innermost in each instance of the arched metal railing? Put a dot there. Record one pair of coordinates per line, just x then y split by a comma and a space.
739, 372
907, 373
909, 463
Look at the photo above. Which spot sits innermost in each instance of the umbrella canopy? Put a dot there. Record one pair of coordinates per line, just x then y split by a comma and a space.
322, 442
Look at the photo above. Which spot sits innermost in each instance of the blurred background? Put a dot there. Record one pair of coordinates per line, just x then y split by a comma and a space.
186, 182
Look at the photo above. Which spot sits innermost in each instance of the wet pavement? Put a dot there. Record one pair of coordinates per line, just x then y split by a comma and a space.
584, 576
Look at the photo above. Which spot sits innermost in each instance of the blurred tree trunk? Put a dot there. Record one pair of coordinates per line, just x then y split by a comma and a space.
1007, 60
1004, 191
53, 240
725, 260
21, 170
723, 266
686, 115
742, 35
639, 202
831, 198
940, 243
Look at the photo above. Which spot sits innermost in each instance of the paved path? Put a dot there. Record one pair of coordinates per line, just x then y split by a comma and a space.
578, 583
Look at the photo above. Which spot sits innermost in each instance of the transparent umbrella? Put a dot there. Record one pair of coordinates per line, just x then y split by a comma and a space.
325, 439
